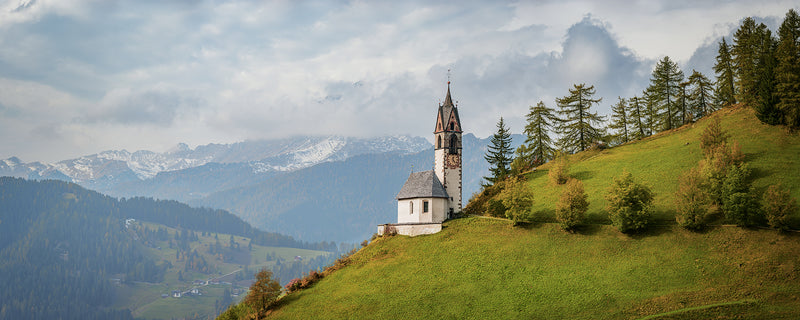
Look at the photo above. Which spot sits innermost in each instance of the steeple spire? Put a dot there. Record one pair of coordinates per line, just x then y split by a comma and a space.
447, 100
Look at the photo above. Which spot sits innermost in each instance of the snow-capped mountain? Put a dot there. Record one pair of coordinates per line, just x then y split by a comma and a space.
260, 155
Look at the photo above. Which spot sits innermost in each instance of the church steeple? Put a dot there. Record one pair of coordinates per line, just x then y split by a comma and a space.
447, 119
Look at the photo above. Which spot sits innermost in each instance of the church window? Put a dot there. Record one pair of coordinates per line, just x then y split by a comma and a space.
453, 143
411, 207
424, 206
439, 143
452, 126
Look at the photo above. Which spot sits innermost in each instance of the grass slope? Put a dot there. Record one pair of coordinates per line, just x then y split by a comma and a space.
484, 268
659, 161
479, 268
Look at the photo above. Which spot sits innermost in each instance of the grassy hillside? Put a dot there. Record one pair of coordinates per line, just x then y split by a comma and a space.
481, 268
658, 161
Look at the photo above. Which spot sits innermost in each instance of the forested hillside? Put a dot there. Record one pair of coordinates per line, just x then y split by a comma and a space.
61, 245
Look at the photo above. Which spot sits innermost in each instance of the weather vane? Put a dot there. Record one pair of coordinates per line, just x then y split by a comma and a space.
448, 75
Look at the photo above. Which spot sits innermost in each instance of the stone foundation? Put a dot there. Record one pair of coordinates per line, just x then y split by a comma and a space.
409, 229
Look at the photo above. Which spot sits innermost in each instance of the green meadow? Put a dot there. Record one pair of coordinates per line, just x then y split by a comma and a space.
486, 268
481, 268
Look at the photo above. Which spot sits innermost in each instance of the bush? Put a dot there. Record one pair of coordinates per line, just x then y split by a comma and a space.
715, 168
778, 205
712, 137
496, 208
559, 170
629, 204
572, 205
517, 200
738, 203
692, 201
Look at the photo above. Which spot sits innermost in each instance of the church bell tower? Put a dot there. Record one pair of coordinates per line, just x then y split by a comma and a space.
447, 151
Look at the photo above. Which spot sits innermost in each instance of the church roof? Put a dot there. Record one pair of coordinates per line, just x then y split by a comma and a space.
423, 184
445, 110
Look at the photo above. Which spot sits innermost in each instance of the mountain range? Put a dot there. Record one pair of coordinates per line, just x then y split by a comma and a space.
326, 188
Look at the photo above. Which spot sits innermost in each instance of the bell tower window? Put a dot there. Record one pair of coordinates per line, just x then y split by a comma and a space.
452, 126
439, 143
453, 143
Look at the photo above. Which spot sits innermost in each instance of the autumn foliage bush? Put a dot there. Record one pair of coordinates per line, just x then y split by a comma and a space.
778, 205
692, 201
572, 205
517, 200
559, 170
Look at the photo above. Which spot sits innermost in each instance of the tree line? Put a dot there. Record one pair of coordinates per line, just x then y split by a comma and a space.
757, 69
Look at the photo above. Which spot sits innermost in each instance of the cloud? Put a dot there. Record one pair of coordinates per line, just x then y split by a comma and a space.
149, 74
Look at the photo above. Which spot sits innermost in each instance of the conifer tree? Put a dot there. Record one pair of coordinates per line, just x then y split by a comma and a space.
700, 95
538, 146
754, 61
499, 153
651, 110
724, 92
787, 72
579, 127
636, 119
619, 121
664, 90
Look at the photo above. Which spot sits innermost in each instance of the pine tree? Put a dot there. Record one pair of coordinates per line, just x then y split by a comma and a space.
619, 121
636, 119
700, 95
538, 146
787, 72
665, 90
579, 127
754, 62
724, 92
499, 153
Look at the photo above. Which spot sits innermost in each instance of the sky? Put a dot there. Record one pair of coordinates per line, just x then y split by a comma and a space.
81, 76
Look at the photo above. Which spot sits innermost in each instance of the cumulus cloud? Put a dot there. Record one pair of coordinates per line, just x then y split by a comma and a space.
80, 76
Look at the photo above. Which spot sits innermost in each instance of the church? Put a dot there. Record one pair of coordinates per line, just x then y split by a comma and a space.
428, 198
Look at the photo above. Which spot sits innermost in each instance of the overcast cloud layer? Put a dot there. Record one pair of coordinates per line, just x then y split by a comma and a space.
78, 77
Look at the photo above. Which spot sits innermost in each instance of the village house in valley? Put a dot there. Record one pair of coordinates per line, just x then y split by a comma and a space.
428, 198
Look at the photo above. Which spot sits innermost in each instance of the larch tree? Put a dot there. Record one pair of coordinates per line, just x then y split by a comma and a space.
724, 91
619, 121
700, 95
538, 146
787, 72
636, 119
665, 90
499, 153
651, 110
579, 127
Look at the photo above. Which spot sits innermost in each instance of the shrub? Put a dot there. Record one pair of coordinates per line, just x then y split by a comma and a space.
517, 200
712, 137
572, 205
715, 168
559, 170
629, 204
778, 205
496, 208
479, 202
738, 203
692, 201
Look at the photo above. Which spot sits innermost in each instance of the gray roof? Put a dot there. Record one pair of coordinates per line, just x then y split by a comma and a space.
423, 184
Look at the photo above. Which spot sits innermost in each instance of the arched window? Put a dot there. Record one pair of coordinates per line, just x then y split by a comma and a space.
411, 207
453, 144
452, 126
439, 143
